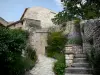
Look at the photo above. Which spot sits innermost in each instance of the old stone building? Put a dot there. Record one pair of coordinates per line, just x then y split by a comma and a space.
3, 22
81, 37
36, 20
39, 13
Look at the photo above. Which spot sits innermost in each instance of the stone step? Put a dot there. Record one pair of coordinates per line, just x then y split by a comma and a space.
80, 60
80, 70
80, 56
80, 65
77, 74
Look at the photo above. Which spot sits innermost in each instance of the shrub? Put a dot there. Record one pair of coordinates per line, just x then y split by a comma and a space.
12, 42
56, 43
30, 53
59, 67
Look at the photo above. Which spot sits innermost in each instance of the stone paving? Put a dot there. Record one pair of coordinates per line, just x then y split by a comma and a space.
44, 66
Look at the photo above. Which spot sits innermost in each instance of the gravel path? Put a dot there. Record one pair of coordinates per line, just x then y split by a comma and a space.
43, 67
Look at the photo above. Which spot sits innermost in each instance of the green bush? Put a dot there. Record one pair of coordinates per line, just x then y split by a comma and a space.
59, 67
30, 53
12, 43
56, 43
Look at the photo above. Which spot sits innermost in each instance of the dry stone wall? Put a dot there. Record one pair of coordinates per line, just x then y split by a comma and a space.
91, 35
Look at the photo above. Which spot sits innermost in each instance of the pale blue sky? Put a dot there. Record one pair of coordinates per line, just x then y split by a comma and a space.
11, 10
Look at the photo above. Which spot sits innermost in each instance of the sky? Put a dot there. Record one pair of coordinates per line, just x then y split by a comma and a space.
12, 10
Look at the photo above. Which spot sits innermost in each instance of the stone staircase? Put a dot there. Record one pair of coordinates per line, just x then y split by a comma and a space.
79, 66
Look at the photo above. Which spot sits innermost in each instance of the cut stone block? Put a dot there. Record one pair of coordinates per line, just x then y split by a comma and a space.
68, 50
69, 62
69, 56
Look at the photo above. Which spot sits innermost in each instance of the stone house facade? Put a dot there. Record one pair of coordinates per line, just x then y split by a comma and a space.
37, 21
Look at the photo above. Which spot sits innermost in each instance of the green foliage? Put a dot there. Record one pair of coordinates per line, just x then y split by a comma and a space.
60, 18
77, 41
56, 42
77, 21
12, 43
31, 53
73, 9
59, 67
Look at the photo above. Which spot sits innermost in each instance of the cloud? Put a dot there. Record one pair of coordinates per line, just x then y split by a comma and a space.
58, 2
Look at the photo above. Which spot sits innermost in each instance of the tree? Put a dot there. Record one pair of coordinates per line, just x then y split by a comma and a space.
78, 9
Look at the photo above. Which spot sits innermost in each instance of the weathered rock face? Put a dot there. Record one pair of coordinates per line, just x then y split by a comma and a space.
91, 34
42, 14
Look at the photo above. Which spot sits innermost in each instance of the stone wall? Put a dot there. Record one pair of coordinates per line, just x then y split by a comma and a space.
96, 36
73, 32
31, 24
38, 35
69, 27
39, 40
91, 34
16, 26
42, 14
